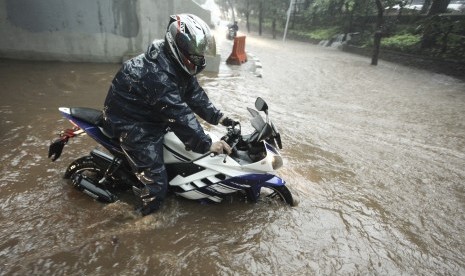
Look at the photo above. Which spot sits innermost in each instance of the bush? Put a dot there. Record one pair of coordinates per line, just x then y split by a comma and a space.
317, 34
402, 42
324, 34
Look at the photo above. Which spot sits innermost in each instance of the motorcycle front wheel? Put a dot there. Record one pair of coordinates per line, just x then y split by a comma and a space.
280, 193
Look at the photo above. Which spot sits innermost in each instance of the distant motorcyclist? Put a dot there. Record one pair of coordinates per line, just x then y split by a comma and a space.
235, 27
232, 30
159, 90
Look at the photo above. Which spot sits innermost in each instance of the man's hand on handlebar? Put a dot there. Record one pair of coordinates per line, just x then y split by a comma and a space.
220, 147
226, 121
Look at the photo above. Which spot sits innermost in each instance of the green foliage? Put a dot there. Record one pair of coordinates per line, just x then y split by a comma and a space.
324, 33
402, 42
317, 34
440, 36
443, 36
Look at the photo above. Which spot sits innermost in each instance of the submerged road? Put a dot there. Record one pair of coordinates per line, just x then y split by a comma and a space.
375, 155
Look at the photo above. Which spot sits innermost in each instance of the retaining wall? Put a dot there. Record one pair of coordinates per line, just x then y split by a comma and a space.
86, 30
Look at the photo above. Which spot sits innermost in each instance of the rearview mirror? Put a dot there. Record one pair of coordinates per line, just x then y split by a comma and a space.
261, 105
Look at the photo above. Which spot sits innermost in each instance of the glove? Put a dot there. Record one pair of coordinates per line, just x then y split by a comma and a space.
220, 147
226, 121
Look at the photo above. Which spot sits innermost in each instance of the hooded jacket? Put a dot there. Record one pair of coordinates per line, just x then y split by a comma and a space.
150, 93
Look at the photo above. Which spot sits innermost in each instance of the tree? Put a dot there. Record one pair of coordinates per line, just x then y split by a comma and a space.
260, 16
435, 26
244, 7
425, 7
438, 6
275, 10
378, 32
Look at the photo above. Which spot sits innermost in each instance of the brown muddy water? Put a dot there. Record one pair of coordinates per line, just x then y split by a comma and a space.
375, 155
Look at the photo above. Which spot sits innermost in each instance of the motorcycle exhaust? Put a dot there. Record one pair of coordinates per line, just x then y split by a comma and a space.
86, 185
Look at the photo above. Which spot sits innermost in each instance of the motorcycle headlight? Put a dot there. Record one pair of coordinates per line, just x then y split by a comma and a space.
276, 162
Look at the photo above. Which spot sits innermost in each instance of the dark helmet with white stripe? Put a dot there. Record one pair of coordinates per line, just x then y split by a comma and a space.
188, 38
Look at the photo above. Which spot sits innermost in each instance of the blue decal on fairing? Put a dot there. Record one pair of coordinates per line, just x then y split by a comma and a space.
254, 180
271, 148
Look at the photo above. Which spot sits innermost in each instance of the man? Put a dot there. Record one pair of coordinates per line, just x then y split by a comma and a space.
159, 90
235, 27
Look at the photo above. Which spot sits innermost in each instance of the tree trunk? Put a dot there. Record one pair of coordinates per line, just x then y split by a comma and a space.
293, 15
378, 33
273, 28
425, 7
260, 18
247, 16
438, 6
377, 43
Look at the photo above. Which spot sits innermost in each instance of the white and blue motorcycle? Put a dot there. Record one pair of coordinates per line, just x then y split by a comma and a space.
249, 170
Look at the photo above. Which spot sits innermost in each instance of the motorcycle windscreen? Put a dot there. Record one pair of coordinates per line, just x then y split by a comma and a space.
257, 122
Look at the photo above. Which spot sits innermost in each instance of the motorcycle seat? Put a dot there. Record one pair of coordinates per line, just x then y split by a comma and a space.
91, 116
88, 115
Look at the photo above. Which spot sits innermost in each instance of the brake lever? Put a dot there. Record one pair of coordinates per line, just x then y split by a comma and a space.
233, 146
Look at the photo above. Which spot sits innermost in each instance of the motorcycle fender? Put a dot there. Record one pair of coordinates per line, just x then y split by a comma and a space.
274, 181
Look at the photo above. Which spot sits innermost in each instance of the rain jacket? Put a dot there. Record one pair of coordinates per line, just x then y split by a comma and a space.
150, 93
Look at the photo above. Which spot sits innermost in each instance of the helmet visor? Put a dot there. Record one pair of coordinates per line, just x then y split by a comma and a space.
191, 45
192, 49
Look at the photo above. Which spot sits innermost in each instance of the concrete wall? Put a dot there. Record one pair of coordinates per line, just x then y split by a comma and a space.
85, 30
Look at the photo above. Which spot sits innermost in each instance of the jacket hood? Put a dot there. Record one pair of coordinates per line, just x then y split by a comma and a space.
154, 49
158, 53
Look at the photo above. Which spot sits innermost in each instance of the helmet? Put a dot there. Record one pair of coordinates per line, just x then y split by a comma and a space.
188, 38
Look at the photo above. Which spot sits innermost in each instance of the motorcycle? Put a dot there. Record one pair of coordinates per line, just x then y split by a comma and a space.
231, 33
248, 170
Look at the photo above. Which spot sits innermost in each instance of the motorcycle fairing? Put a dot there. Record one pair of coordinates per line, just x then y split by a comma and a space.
271, 148
205, 186
177, 156
174, 150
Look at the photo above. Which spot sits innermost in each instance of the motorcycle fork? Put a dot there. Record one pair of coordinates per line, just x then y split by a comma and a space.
253, 193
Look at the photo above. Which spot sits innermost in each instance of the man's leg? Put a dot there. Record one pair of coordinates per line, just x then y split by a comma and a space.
154, 192
144, 151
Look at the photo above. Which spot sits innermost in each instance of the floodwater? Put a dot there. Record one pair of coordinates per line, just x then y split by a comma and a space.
374, 154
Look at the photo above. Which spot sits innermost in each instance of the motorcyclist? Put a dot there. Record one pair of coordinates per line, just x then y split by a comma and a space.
235, 27
232, 28
159, 90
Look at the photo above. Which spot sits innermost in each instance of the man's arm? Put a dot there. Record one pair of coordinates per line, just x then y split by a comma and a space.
199, 102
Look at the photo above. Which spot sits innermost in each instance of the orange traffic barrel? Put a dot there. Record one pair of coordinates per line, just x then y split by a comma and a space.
238, 55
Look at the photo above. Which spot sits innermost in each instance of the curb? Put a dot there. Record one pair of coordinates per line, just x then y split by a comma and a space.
258, 65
